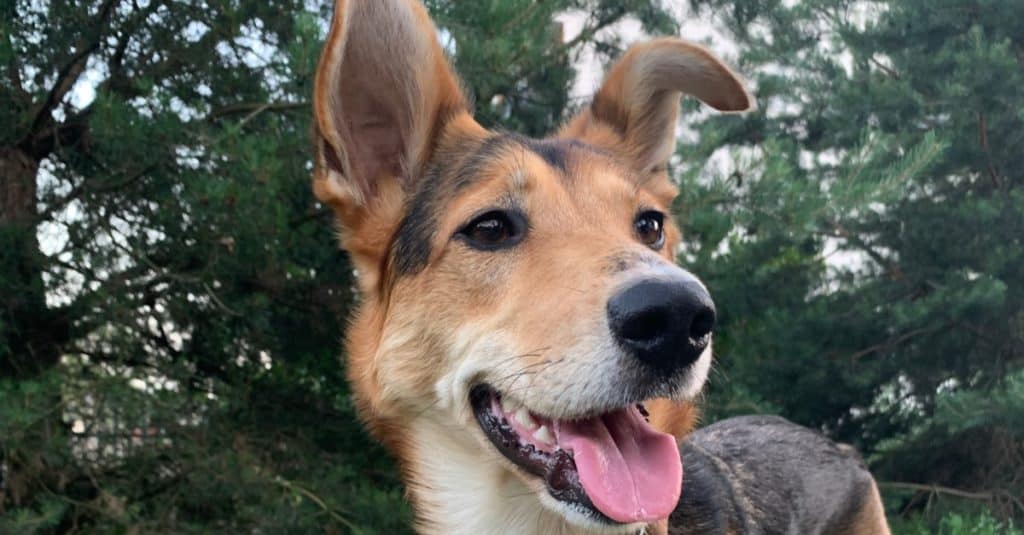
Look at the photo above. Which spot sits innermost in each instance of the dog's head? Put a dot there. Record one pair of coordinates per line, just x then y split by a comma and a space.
519, 294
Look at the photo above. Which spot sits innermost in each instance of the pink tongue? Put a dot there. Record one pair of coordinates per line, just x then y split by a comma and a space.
631, 472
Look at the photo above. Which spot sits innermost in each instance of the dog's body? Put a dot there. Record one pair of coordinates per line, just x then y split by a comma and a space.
763, 474
521, 304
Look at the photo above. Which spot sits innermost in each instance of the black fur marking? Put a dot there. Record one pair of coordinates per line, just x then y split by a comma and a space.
554, 152
472, 167
413, 239
557, 152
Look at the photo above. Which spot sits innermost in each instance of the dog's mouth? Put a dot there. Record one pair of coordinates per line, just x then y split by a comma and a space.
614, 466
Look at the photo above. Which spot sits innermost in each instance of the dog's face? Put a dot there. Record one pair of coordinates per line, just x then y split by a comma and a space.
521, 295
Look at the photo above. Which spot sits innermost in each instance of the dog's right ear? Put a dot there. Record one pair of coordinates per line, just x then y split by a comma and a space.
383, 93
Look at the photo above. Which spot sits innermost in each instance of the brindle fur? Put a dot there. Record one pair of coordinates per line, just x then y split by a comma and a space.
765, 475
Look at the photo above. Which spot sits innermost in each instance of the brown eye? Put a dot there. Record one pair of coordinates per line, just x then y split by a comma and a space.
650, 228
494, 230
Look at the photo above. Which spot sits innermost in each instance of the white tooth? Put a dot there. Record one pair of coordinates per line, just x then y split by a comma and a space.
543, 435
507, 406
524, 418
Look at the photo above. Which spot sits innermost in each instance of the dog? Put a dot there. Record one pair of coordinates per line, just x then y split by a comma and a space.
525, 345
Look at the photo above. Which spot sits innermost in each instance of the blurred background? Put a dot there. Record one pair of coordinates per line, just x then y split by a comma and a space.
172, 298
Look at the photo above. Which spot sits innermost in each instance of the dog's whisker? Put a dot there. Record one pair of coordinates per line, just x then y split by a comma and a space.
534, 353
543, 366
542, 363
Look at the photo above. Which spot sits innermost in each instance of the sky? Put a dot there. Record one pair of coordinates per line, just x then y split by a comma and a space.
694, 27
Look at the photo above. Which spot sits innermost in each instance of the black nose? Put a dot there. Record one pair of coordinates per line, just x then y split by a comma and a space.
664, 323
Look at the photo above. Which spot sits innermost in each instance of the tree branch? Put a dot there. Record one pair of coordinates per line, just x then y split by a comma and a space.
315, 499
255, 108
69, 73
86, 186
128, 30
891, 73
839, 231
71, 132
983, 143
588, 33
937, 489
895, 341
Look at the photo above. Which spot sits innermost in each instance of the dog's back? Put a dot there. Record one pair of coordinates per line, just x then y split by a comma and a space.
764, 474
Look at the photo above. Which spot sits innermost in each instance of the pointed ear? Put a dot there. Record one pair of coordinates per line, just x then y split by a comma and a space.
635, 111
383, 92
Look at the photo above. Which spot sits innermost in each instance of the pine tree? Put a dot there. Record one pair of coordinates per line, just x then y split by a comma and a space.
863, 235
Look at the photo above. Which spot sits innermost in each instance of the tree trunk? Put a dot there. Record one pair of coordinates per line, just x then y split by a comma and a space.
29, 332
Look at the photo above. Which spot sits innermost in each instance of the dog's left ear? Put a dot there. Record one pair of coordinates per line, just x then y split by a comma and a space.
634, 113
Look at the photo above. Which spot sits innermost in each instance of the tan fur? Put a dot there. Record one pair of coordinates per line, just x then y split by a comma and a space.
673, 417
871, 519
531, 321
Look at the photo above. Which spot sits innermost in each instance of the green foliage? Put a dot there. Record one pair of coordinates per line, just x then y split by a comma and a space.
862, 236
963, 410
956, 524
171, 297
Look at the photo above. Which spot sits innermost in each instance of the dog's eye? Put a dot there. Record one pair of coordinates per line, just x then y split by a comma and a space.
650, 228
494, 230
